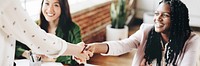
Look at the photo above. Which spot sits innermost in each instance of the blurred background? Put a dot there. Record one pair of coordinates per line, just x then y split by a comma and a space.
94, 15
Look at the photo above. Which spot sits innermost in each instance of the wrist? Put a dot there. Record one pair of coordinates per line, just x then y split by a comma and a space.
73, 49
101, 48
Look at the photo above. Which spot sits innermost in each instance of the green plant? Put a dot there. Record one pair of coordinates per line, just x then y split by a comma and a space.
118, 14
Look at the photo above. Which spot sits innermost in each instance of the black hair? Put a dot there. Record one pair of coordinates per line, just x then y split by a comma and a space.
64, 21
179, 33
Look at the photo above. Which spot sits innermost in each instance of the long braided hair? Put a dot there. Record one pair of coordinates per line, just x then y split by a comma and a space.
179, 33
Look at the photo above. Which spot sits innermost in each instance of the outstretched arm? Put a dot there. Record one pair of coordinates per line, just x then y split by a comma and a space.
98, 48
16, 24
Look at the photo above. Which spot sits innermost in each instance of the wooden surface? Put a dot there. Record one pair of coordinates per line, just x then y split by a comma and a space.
122, 60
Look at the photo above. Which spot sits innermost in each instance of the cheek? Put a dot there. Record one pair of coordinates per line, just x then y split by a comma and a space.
43, 10
168, 22
154, 19
58, 12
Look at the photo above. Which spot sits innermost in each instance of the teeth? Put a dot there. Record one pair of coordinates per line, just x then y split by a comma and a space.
49, 14
159, 25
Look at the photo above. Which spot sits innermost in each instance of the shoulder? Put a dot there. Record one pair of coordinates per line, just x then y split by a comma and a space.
146, 27
75, 26
193, 41
194, 38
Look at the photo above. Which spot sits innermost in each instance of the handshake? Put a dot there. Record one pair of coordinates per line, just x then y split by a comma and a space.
86, 52
80, 52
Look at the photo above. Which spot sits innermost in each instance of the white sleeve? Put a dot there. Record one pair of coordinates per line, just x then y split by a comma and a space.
123, 46
126, 45
16, 23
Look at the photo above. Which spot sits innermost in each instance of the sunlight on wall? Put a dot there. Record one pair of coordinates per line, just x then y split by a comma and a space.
33, 6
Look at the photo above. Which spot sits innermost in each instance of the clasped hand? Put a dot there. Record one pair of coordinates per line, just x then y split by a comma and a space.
86, 53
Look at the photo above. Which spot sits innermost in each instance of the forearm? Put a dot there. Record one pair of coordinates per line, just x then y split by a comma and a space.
101, 48
73, 49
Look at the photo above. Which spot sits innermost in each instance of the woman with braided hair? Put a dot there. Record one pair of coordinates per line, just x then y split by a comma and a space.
169, 42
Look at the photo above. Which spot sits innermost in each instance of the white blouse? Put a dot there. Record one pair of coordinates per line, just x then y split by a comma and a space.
15, 24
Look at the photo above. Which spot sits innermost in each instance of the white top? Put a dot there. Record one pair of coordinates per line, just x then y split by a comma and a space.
15, 24
189, 56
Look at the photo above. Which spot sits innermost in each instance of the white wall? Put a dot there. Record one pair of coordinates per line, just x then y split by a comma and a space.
143, 6
194, 11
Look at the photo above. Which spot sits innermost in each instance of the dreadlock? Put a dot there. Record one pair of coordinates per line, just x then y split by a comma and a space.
179, 33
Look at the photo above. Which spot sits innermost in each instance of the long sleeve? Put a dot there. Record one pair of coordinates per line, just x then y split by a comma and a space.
191, 51
126, 45
16, 23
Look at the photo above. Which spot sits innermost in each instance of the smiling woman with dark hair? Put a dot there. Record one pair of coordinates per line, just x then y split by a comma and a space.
169, 42
55, 18
15, 24
169, 34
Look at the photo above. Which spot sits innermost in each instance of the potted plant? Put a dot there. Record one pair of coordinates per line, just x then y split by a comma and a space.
117, 30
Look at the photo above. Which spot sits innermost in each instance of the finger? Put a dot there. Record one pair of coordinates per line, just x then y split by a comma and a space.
143, 63
90, 48
80, 57
90, 54
82, 61
86, 55
78, 60
87, 47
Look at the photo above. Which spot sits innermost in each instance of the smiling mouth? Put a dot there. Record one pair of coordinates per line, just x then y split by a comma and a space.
50, 15
159, 25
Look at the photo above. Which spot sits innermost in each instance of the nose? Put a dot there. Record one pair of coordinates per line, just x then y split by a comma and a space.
50, 9
158, 17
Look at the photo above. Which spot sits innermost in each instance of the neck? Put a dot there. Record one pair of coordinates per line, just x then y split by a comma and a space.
52, 26
165, 37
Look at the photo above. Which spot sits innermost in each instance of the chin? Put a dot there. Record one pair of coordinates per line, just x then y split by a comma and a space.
158, 30
49, 19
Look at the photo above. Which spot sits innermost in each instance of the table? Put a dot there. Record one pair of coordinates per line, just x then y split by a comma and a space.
96, 60
122, 60
25, 62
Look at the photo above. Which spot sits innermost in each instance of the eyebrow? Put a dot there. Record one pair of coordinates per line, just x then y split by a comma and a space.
163, 12
47, 0
56, 2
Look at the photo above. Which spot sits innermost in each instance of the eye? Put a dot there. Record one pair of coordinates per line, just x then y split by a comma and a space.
57, 5
156, 13
46, 3
165, 15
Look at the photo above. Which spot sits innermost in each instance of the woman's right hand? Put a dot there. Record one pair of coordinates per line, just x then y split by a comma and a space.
91, 48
